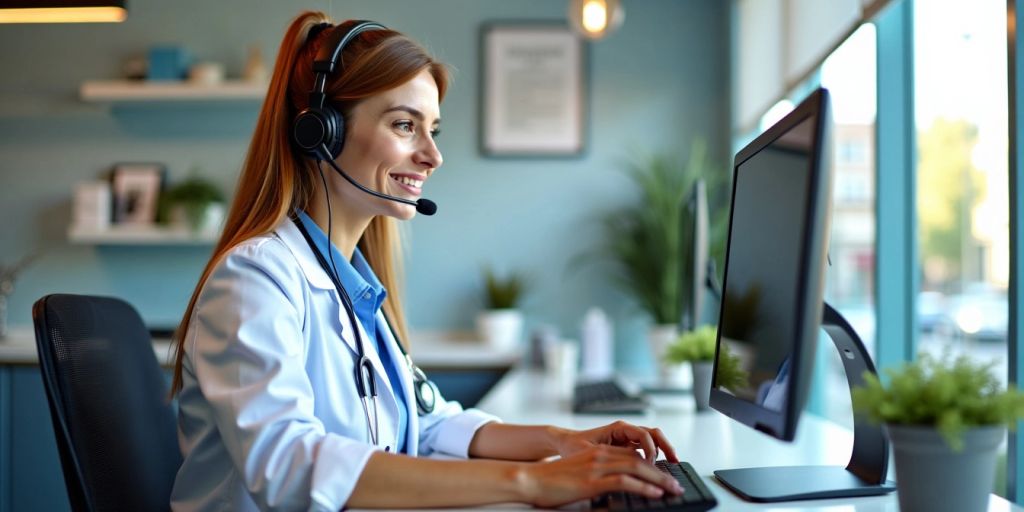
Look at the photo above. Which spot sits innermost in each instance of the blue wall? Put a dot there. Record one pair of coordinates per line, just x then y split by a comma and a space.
654, 85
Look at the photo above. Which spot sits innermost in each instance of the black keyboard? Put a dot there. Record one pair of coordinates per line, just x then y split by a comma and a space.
695, 497
606, 397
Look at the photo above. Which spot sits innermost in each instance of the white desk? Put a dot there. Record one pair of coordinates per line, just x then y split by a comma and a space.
708, 441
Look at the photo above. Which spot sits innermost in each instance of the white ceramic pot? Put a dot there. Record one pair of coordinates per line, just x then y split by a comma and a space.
670, 375
208, 221
500, 328
702, 383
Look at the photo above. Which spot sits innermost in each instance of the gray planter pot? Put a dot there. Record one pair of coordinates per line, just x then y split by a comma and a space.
931, 477
702, 383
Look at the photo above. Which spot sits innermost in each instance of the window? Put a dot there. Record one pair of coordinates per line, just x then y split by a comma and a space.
962, 205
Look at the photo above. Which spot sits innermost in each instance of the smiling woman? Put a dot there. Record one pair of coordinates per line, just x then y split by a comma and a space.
295, 390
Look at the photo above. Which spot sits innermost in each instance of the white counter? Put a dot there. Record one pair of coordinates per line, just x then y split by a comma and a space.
429, 350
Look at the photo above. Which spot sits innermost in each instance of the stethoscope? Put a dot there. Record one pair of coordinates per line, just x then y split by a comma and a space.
424, 390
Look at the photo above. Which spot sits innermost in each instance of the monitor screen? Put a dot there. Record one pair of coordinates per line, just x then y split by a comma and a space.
772, 292
693, 272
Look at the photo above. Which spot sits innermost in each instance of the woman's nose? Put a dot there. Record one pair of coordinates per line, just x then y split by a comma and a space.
429, 156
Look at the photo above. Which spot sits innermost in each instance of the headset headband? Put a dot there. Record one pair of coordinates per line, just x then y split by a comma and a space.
329, 53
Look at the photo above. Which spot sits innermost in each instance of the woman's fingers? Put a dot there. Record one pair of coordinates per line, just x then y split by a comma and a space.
662, 441
622, 431
638, 469
621, 482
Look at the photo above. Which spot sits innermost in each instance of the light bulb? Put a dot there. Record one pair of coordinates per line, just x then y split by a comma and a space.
595, 19
595, 16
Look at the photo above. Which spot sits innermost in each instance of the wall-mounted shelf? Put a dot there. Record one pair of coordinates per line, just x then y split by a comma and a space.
139, 235
117, 91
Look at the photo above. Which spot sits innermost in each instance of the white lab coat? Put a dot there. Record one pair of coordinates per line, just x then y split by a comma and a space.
269, 414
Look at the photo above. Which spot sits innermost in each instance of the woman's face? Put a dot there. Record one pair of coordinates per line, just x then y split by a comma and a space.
389, 147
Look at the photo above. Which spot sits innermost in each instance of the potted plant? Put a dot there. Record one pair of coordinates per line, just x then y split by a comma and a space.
946, 420
197, 203
697, 347
644, 241
500, 325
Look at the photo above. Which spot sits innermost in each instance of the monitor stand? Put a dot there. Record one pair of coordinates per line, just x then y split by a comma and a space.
863, 476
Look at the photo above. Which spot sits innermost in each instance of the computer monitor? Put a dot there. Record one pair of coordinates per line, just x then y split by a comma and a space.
695, 255
772, 308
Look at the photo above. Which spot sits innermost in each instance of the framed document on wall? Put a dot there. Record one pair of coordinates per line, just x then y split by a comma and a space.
533, 90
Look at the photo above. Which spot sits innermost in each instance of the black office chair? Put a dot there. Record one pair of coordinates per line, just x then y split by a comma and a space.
108, 400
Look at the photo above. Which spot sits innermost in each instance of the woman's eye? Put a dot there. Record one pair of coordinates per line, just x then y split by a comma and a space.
405, 126
435, 133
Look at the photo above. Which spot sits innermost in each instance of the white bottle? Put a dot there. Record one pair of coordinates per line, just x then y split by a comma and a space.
596, 337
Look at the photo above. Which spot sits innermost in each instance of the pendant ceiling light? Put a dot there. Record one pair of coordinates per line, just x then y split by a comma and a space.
595, 19
62, 11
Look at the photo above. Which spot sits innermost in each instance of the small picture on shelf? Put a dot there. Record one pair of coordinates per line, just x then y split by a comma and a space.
136, 190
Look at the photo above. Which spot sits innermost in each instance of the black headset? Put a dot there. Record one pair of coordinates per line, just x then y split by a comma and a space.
318, 129
320, 125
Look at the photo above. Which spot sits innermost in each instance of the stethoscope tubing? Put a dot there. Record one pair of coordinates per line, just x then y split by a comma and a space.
366, 382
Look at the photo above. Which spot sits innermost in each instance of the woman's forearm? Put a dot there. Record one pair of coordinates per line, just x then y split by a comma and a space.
399, 481
515, 442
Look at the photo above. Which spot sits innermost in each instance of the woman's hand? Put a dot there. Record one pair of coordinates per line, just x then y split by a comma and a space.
594, 470
620, 433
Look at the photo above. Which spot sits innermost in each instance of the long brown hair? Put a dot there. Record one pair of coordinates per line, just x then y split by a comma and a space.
275, 180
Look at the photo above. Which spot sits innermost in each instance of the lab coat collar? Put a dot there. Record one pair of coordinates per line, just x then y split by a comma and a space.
289, 233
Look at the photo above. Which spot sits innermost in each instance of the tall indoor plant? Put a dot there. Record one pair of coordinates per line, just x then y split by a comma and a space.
644, 240
946, 419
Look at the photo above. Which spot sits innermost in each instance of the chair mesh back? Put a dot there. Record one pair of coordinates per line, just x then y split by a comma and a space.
115, 429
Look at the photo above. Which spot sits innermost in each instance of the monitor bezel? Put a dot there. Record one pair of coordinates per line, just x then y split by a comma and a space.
782, 425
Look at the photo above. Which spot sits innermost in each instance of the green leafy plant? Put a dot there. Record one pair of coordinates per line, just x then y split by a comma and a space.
699, 345
950, 395
194, 194
503, 292
644, 239
695, 345
729, 373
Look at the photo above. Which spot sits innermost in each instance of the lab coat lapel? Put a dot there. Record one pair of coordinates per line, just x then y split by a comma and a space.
316, 276
405, 376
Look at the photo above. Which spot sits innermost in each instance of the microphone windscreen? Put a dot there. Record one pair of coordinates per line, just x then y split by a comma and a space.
426, 207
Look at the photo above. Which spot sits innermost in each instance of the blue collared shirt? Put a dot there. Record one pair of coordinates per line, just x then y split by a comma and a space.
367, 294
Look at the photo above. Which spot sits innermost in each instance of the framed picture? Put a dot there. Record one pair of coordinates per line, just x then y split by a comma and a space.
136, 192
533, 90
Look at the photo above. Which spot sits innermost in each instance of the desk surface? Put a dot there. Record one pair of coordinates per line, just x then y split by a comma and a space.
708, 440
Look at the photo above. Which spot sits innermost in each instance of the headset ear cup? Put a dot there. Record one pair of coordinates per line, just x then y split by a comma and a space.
336, 135
310, 131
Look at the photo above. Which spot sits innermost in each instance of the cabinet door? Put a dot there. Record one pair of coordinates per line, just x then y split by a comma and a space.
32, 470
465, 385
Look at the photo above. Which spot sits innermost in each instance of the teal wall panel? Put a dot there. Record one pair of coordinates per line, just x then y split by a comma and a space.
656, 84
896, 256
1015, 358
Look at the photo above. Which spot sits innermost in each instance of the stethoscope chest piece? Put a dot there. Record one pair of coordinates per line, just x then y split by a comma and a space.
424, 390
